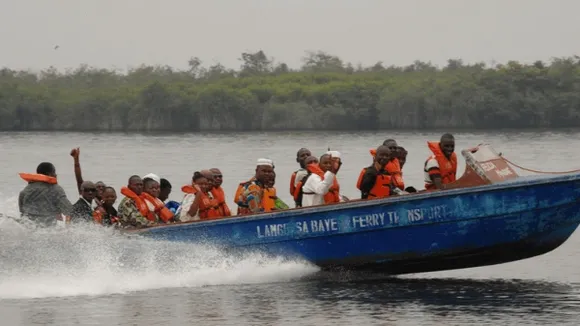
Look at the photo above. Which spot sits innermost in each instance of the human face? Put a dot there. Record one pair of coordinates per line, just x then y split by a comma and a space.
218, 177
89, 191
302, 155
265, 174
325, 163
109, 197
136, 185
152, 188
447, 146
383, 156
100, 187
392, 145
204, 184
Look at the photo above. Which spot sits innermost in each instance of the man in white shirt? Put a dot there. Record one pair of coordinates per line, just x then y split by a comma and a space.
317, 184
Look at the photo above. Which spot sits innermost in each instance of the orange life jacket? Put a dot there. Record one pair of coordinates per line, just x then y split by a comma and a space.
141, 205
97, 217
159, 207
268, 201
292, 183
382, 187
447, 167
209, 208
218, 193
394, 169
33, 177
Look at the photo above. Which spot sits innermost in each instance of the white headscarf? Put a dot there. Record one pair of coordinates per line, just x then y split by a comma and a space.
153, 176
265, 161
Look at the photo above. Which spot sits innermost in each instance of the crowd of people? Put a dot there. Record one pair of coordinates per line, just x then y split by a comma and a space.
145, 202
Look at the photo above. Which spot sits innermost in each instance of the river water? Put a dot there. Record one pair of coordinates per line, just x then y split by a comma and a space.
92, 276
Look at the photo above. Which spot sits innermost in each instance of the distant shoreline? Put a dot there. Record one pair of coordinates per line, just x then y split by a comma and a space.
326, 94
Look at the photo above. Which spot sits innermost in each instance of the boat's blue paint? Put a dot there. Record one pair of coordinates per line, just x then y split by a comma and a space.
472, 226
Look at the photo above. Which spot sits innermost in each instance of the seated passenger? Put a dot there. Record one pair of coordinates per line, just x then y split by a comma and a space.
299, 174
82, 210
441, 167
376, 181
217, 190
42, 200
326, 162
394, 166
106, 214
317, 184
133, 211
198, 202
259, 195
164, 191
157, 210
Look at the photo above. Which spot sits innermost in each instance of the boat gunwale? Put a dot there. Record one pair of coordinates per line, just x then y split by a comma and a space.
522, 181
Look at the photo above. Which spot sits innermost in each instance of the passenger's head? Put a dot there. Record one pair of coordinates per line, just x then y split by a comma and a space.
402, 156
392, 145
47, 169
135, 184
301, 155
88, 191
310, 160
325, 162
201, 181
218, 177
265, 171
109, 196
383, 155
164, 189
100, 187
151, 186
447, 144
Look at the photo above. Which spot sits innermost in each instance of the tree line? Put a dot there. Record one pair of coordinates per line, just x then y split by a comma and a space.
324, 94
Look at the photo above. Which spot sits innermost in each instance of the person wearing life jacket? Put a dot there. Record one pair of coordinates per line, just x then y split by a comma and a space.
376, 181
316, 185
43, 200
217, 190
106, 214
158, 213
133, 211
299, 174
394, 165
99, 185
199, 203
259, 194
82, 210
441, 167
164, 192
402, 156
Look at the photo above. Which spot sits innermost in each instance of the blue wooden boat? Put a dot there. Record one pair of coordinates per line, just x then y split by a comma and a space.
493, 216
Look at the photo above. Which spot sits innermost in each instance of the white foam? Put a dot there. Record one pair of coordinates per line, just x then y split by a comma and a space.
91, 260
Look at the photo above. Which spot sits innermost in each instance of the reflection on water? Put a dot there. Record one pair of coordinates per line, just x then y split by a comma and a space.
322, 300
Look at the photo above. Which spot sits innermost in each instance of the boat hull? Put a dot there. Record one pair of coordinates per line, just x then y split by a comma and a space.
459, 228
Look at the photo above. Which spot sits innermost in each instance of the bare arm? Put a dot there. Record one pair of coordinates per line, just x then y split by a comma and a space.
75, 153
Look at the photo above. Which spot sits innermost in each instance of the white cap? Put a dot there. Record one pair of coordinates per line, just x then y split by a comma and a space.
265, 161
153, 176
334, 153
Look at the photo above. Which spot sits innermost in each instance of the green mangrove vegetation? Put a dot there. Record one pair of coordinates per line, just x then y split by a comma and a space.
324, 94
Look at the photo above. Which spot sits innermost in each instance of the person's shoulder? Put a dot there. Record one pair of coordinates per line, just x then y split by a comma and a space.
431, 163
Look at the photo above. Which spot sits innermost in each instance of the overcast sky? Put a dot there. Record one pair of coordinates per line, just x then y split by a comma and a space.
125, 33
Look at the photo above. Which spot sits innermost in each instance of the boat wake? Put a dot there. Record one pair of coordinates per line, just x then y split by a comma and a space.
91, 260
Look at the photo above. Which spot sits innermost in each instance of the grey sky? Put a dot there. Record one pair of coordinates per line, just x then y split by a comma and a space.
122, 33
